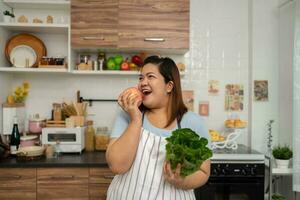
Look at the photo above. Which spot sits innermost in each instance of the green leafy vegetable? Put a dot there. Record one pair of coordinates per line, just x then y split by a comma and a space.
184, 146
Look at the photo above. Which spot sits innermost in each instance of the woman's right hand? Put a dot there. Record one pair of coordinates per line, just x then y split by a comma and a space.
130, 102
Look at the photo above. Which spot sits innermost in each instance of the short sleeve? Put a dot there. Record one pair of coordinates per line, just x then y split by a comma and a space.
120, 124
196, 123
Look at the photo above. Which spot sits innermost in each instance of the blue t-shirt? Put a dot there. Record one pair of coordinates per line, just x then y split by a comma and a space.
189, 120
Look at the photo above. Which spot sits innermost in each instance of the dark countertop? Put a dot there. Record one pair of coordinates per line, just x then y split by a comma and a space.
85, 159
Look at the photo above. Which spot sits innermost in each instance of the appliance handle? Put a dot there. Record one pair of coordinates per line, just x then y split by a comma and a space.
236, 183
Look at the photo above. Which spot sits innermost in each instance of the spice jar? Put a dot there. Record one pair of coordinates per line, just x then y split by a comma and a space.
89, 137
102, 138
44, 60
51, 61
57, 112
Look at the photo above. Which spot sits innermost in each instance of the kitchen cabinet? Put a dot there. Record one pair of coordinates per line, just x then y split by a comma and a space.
62, 183
94, 23
130, 24
154, 24
59, 183
17, 184
99, 181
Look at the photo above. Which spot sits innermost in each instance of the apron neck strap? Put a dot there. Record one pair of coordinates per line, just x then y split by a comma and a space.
143, 117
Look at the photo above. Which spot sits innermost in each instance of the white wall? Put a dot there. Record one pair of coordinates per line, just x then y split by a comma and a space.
286, 52
218, 51
265, 37
5, 79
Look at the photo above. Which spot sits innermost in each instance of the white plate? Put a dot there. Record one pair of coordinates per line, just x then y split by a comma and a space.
22, 56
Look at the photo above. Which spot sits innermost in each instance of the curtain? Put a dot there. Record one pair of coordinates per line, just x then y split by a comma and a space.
296, 114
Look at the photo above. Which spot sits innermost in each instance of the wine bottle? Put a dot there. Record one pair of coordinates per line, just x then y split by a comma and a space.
14, 137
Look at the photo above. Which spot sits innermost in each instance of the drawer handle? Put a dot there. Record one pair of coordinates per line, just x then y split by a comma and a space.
10, 177
92, 38
154, 39
63, 177
107, 176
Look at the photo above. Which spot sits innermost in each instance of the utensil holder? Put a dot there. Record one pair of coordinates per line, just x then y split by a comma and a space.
78, 120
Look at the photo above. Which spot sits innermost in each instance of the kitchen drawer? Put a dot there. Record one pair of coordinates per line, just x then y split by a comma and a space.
62, 183
17, 184
99, 181
98, 191
100, 175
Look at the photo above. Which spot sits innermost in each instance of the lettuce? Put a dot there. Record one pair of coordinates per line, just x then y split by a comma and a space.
184, 146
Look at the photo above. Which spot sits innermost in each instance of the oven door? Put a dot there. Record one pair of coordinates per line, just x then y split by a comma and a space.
242, 188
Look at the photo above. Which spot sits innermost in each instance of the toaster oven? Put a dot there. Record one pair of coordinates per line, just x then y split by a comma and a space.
71, 140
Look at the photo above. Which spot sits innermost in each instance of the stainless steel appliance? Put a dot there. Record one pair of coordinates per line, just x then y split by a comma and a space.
71, 140
235, 175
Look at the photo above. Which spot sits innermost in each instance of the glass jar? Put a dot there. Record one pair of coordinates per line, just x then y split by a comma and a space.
44, 60
84, 58
102, 138
89, 137
59, 61
51, 61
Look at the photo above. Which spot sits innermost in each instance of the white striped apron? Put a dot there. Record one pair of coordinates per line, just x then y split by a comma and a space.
145, 179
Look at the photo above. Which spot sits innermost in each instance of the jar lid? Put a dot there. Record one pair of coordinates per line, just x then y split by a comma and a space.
36, 118
28, 137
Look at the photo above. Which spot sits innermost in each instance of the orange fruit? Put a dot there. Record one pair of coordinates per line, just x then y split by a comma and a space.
10, 99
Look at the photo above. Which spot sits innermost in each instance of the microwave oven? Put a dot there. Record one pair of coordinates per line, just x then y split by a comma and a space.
71, 140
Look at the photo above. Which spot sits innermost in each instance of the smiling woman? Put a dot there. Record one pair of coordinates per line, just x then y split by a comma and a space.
137, 148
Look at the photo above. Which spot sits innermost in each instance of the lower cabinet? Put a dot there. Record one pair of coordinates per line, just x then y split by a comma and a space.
17, 183
54, 183
99, 181
62, 183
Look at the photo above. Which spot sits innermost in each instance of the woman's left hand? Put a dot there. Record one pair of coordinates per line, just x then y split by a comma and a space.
173, 178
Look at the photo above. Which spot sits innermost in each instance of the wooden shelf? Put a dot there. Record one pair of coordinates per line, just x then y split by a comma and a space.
82, 72
45, 70
41, 4
36, 27
110, 72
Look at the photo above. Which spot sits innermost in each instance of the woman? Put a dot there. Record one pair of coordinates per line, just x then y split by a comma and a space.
136, 151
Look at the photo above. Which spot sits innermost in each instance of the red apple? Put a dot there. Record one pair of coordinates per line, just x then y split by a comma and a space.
134, 90
137, 60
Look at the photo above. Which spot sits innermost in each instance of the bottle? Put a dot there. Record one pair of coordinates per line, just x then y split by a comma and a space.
89, 137
14, 137
102, 61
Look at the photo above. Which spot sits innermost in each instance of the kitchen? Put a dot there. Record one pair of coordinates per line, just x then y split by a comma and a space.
231, 42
